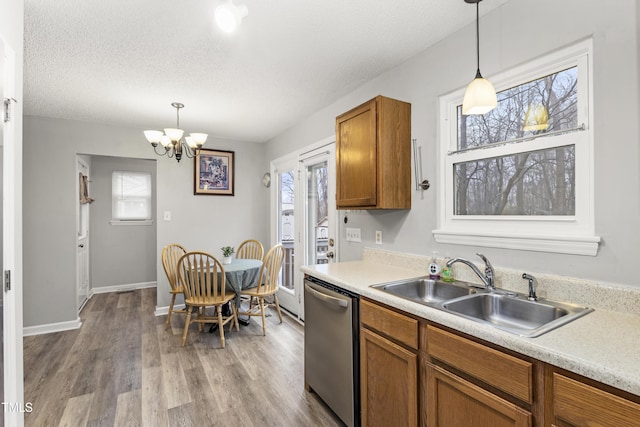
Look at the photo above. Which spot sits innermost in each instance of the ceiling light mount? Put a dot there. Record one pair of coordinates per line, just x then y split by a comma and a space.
228, 16
172, 142
480, 96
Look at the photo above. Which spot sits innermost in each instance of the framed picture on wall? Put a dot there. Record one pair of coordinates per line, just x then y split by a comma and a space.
214, 173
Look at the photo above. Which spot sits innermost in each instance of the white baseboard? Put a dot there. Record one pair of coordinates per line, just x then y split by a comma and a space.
51, 327
163, 311
122, 288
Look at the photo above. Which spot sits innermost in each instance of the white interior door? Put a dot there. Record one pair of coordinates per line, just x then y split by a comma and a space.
12, 377
305, 200
82, 254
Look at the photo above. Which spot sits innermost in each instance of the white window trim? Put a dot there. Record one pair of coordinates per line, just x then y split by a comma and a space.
131, 222
557, 234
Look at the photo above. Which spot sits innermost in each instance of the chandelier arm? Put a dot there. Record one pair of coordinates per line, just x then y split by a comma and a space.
190, 152
166, 150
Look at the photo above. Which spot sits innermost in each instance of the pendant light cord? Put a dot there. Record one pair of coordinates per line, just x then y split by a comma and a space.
478, 75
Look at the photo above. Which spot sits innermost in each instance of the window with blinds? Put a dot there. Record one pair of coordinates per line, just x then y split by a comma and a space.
131, 196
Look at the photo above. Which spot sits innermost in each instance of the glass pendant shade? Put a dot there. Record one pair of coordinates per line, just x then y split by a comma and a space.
480, 97
153, 136
173, 133
199, 138
190, 142
165, 141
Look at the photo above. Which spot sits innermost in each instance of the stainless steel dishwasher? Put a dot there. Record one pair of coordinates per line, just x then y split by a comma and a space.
331, 348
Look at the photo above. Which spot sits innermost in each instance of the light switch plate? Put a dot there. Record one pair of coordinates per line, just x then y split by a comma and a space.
353, 235
167, 215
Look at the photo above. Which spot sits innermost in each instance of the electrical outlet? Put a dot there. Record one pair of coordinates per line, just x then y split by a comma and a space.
378, 237
353, 235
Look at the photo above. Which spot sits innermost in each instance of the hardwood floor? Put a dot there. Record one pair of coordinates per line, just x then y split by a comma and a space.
123, 369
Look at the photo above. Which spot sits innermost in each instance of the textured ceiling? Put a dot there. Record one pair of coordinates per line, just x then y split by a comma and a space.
124, 62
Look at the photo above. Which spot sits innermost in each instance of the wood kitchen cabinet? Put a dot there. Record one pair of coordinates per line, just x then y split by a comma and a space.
388, 366
455, 402
576, 404
464, 382
373, 156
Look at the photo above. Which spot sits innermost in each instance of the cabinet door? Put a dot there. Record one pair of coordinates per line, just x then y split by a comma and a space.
356, 157
453, 402
389, 382
578, 404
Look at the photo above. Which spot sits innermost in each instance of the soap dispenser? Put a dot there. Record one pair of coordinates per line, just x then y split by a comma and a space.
434, 267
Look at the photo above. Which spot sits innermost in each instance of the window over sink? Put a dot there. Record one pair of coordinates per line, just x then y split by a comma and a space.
522, 175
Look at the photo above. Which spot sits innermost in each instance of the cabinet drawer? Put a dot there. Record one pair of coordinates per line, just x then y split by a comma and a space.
583, 405
396, 326
503, 371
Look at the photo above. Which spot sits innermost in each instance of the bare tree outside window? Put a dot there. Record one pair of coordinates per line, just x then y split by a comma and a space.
528, 183
322, 182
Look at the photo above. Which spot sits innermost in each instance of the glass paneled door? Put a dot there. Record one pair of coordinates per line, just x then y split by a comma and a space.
306, 220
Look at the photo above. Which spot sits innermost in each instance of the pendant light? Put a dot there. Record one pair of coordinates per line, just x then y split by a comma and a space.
480, 96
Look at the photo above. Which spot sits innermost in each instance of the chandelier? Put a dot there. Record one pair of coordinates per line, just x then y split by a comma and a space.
171, 142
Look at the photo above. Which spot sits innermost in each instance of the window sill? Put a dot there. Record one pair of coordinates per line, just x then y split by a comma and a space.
119, 222
575, 245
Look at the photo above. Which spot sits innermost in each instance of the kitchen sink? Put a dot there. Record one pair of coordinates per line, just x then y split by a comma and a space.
514, 313
426, 291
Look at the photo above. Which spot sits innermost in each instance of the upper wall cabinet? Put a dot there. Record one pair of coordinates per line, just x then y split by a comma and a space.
373, 156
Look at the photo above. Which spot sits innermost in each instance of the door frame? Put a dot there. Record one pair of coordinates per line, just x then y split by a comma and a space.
12, 247
296, 159
81, 163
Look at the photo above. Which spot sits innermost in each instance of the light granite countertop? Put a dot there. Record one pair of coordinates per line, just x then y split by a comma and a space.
603, 345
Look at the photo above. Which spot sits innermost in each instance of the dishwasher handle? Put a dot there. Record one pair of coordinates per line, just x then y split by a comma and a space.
327, 298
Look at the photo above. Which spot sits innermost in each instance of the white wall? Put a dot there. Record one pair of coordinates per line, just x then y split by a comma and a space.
198, 222
512, 34
120, 255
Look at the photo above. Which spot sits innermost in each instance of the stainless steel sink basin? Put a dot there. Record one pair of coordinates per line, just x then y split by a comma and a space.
514, 313
426, 291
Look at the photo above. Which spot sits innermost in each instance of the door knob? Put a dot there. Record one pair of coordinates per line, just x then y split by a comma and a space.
330, 255
81, 245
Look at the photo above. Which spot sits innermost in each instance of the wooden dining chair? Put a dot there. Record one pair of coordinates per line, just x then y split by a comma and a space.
203, 279
267, 286
170, 256
250, 249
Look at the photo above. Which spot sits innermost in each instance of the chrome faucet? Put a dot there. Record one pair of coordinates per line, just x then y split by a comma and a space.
489, 273
532, 290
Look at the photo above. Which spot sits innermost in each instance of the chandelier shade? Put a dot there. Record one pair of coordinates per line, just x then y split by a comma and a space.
172, 141
480, 96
